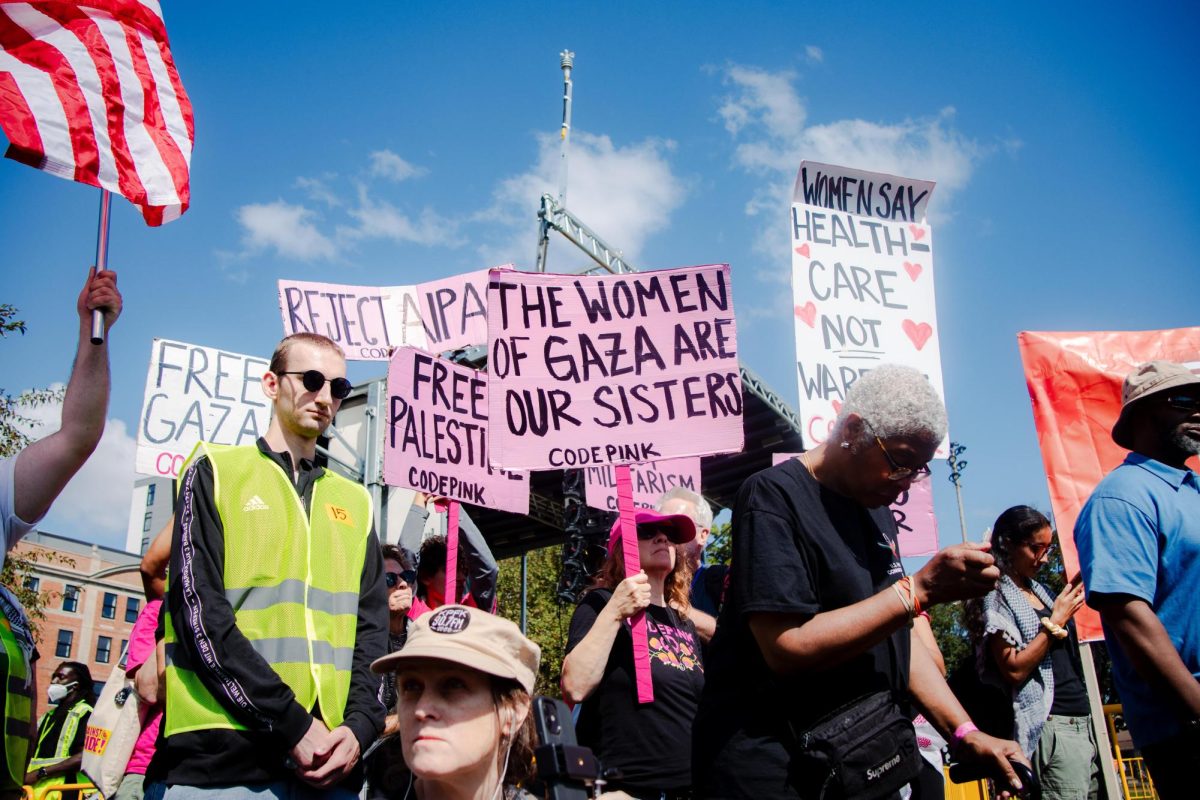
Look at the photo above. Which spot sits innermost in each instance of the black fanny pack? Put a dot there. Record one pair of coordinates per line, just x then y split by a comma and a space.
866, 749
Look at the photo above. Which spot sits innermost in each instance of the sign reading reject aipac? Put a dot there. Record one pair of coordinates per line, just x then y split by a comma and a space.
613, 369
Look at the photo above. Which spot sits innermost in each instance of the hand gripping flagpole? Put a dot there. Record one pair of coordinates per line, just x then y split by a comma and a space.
101, 261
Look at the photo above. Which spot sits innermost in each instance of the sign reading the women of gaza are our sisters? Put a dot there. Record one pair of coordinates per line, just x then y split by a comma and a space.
649, 481
367, 322
195, 394
437, 441
862, 285
613, 369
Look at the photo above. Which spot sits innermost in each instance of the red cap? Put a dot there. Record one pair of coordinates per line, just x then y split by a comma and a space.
679, 528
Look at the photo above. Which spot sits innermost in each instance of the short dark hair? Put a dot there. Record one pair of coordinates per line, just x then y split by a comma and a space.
393, 553
431, 560
84, 675
280, 356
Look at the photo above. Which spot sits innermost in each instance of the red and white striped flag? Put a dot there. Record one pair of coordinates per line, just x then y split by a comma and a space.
89, 92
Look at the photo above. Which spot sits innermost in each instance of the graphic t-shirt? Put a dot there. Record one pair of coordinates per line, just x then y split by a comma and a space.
649, 743
798, 548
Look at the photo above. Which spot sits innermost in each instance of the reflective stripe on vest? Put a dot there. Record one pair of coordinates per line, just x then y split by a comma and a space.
18, 707
292, 580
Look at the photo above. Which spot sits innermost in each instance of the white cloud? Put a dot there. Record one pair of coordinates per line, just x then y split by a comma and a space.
386, 164
814, 53
379, 219
624, 194
767, 119
290, 230
94, 506
318, 189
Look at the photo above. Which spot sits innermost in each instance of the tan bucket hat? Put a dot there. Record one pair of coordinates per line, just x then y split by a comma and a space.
472, 638
1149, 378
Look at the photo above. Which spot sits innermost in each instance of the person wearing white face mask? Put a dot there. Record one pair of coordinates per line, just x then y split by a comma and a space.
59, 748
464, 682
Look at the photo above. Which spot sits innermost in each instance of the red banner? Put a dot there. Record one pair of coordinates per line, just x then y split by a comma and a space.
1074, 384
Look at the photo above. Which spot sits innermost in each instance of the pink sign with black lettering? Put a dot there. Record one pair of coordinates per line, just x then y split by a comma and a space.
436, 439
588, 370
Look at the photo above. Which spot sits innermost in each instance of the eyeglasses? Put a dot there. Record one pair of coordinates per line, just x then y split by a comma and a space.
408, 576
314, 379
899, 473
1039, 551
1184, 402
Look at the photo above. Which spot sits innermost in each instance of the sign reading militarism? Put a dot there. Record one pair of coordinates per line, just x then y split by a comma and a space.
650, 482
862, 284
195, 394
368, 322
613, 369
436, 438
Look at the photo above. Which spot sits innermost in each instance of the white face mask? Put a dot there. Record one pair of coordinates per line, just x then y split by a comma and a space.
55, 692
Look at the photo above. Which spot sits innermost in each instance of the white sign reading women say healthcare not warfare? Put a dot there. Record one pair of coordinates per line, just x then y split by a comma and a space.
862, 284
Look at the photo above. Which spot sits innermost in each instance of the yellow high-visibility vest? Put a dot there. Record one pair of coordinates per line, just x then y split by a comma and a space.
62, 748
292, 578
18, 707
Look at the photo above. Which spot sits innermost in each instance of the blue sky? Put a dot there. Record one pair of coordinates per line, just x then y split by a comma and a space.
403, 142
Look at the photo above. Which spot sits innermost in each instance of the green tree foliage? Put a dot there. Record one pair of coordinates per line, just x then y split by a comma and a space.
19, 568
548, 621
719, 549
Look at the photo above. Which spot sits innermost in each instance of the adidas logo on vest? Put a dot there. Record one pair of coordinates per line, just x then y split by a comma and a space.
256, 503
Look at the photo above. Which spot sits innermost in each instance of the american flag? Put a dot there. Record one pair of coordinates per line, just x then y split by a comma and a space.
89, 92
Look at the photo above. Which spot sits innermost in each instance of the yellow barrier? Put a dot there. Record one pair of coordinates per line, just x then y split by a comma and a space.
1135, 778
975, 790
41, 793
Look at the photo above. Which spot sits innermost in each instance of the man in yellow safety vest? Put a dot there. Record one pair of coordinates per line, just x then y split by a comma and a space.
58, 752
276, 604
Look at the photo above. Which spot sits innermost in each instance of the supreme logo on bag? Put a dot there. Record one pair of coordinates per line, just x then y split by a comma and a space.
96, 740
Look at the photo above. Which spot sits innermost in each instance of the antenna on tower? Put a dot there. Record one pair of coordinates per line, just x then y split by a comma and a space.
567, 62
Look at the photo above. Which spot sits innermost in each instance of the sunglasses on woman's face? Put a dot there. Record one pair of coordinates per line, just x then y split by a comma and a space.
313, 380
392, 579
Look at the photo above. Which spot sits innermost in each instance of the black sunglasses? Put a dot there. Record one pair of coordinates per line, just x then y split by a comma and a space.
409, 576
648, 532
1184, 402
899, 473
314, 379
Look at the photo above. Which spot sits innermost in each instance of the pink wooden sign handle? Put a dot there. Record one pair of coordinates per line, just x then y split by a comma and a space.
452, 553
633, 565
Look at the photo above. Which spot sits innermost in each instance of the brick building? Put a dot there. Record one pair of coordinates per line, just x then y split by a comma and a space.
95, 603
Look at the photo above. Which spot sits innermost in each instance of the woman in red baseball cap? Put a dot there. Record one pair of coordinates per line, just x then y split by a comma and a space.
650, 744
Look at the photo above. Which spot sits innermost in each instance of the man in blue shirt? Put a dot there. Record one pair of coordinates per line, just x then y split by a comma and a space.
1138, 537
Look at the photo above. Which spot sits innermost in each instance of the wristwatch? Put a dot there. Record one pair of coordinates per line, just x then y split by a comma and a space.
42, 774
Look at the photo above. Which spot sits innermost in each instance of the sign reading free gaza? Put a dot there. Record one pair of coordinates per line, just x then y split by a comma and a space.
194, 394
612, 369
436, 438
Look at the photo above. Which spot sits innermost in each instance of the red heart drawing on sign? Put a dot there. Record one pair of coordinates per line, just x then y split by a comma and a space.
803, 249
808, 313
918, 333
918, 233
913, 270
837, 406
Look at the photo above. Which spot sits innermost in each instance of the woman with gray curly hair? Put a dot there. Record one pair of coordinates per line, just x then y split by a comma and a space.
816, 628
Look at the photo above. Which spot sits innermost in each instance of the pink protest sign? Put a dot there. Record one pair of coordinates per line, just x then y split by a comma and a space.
586, 370
915, 519
437, 436
454, 310
913, 512
650, 482
633, 565
368, 322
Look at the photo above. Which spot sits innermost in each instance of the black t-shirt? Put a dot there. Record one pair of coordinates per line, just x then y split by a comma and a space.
798, 548
1070, 696
651, 744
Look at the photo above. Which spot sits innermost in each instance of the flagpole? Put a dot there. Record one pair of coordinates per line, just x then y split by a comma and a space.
101, 261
